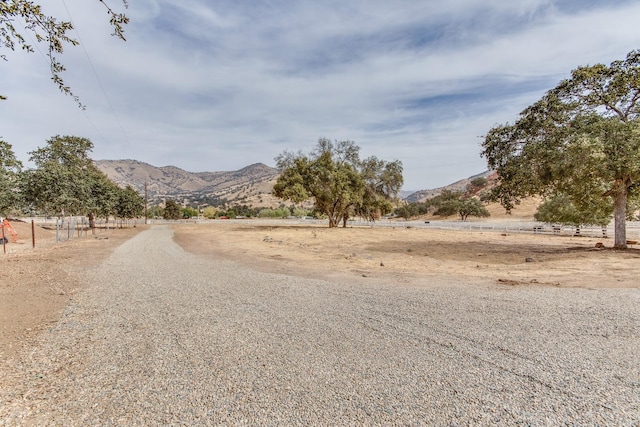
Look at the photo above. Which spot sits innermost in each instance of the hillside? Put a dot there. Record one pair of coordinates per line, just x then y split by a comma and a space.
523, 211
422, 195
250, 185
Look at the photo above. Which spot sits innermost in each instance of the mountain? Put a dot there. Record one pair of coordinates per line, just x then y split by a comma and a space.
249, 185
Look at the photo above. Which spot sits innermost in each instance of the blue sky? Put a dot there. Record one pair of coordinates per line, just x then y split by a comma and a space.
212, 86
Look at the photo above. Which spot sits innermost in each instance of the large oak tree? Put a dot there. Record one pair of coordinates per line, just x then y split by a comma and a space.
339, 182
581, 140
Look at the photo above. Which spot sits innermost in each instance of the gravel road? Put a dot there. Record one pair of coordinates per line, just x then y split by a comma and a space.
163, 337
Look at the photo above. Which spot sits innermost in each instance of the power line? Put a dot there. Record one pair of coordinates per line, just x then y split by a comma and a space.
104, 92
45, 58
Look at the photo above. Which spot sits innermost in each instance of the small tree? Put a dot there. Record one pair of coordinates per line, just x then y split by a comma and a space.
189, 212
458, 203
407, 211
471, 207
209, 212
445, 203
172, 210
130, 204
104, 196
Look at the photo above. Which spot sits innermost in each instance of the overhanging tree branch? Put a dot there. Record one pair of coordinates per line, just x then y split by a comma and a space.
47, 29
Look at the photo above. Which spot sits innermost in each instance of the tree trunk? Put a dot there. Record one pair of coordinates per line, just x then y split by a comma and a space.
620, 215
344, 221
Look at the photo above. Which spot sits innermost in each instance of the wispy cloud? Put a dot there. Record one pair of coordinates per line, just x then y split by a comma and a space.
217, 86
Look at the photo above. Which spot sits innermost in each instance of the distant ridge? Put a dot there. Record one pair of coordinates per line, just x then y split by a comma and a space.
250, 184
422, 195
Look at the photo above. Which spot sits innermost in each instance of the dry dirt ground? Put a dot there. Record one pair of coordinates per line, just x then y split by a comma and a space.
417, 255
36, 284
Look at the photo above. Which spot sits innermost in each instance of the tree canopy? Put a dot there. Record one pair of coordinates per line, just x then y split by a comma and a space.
581, 140
22, 19
60, 182
129, 204
340, 183
560, 209
172, 210
462, 205
65, 181
10, 168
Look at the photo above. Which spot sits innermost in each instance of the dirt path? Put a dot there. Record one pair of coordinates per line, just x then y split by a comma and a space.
161, 336
36, 284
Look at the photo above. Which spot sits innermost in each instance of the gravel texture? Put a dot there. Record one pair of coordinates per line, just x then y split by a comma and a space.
163, 337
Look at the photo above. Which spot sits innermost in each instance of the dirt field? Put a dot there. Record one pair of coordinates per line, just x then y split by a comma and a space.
36, 284
416, 256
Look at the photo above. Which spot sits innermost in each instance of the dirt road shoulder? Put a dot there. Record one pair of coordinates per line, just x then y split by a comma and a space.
36, 284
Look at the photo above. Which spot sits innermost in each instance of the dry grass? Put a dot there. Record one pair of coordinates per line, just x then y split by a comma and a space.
412, 255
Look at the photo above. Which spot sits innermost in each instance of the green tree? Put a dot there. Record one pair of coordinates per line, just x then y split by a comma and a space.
581, 140
10, 168
560, 209
477, 185
444, 203
61, 182
300, 212
382, 181
130, 204
459, 203
103, 195
471, 206
338, 181
32, 23
408, 210
155, 211
189, 212
172, 210
209, 212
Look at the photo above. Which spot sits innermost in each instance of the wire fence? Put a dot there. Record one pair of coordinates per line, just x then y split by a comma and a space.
69, 228
72, 227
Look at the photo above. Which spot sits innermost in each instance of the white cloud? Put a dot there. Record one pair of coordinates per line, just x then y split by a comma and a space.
217, 86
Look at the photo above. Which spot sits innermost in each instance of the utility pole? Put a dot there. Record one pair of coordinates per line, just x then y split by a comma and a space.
146, 202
